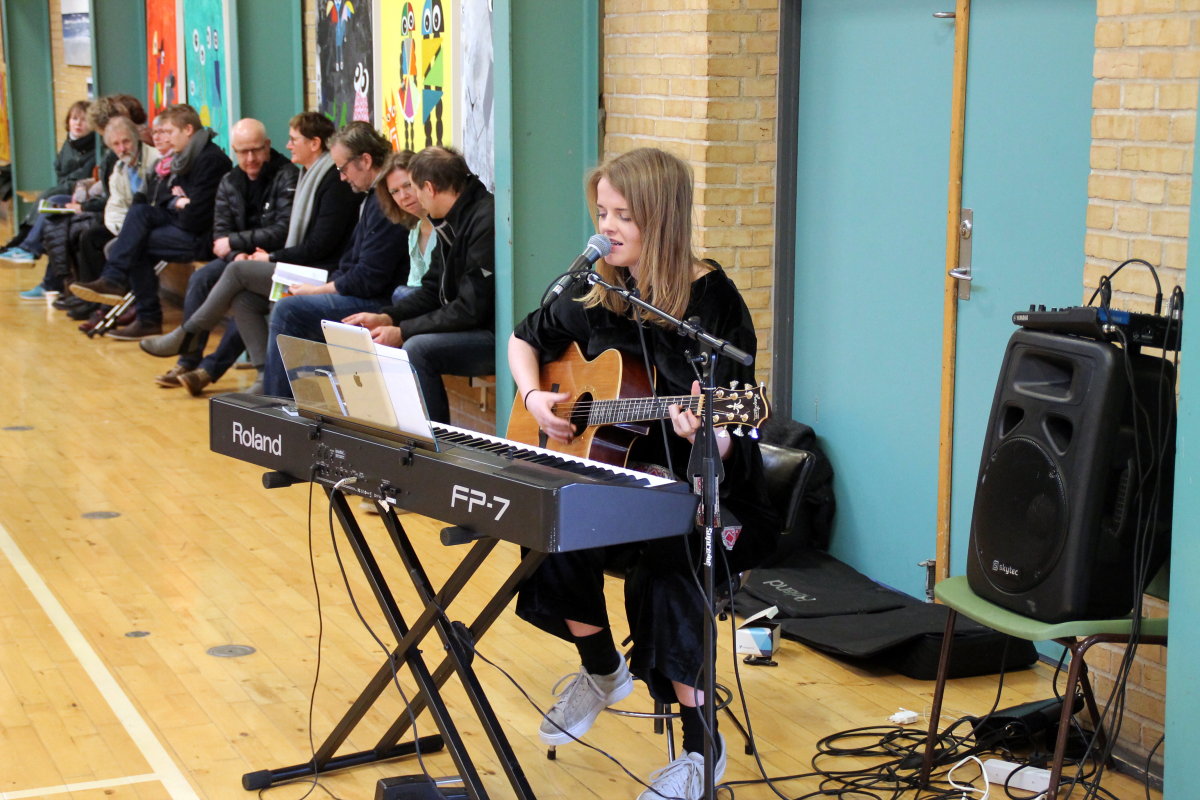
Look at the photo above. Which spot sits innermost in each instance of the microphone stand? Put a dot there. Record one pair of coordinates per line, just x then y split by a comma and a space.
706, 469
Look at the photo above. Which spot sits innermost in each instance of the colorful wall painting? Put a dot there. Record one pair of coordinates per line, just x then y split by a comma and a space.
416, 72
162, 55
207, 51
345, 61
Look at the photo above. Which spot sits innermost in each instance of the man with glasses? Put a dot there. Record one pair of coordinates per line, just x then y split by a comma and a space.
252, 211
176, 228
371, 268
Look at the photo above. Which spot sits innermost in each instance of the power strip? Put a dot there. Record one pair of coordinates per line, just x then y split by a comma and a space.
1030, 779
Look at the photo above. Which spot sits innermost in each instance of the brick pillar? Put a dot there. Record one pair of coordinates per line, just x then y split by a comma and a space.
1139, 193
701, 83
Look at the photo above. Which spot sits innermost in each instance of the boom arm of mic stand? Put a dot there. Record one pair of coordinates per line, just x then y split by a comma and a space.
694, 332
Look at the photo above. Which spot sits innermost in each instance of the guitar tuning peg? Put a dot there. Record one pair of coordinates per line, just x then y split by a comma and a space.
737, 431
733, 384
754, 433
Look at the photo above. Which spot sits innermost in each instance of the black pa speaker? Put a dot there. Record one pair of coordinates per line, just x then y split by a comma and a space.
1074, 489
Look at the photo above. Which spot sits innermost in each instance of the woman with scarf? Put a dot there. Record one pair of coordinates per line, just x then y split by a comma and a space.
324, 211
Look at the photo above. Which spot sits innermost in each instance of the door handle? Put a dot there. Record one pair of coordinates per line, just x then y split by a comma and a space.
962, 273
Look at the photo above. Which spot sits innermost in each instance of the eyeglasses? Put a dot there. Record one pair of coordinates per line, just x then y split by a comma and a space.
342, 169
246, 150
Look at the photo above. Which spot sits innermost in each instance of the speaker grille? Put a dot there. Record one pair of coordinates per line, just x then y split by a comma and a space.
1020, 518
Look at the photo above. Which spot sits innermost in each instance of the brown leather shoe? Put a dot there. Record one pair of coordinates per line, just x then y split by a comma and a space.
136, 330
100, 291
92, 321
195, 381
170, 378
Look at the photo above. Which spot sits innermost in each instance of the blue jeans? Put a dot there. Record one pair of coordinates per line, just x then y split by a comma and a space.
300, 316
433, 355
149, 235
33, 241
220, 360
402, 291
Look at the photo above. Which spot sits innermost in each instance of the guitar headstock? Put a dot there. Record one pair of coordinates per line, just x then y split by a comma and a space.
745, 406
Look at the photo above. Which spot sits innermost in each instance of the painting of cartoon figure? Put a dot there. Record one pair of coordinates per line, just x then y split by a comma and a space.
162, 56
206, 56
345, 59
416, 62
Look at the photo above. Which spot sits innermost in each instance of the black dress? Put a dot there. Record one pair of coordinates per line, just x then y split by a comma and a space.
663, 599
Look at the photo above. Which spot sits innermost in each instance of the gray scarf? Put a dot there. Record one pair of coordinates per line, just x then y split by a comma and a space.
302, 202
182, 163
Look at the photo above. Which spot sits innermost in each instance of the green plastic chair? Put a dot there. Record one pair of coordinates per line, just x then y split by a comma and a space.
1075, 635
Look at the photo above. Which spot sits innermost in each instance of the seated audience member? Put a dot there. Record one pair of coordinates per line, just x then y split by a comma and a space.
245, 285
92, 246
324, 211
133, 167
421, 241
375, 264
178, 229
74, 163
447, 326
252, 211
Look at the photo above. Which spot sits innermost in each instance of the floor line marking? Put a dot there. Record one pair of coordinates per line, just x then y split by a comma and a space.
108, 783
165, 768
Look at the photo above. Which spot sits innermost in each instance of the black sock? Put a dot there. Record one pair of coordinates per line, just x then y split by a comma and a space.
692, 721
598, 652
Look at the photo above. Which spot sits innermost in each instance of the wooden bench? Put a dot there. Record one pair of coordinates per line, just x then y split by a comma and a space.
473, 402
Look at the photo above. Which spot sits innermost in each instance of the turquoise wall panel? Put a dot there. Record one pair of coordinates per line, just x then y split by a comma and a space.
269, 65
118, 47
30, 101
1183, 655
547, 85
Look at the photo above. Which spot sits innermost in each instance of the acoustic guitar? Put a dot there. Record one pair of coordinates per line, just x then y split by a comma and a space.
611, 405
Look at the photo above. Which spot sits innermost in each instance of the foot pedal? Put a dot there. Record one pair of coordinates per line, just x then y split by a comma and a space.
418, 787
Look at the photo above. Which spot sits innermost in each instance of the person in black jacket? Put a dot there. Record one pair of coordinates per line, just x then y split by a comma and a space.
179, 229
74, 163
374, 265
447, 326
253, 210
324, 209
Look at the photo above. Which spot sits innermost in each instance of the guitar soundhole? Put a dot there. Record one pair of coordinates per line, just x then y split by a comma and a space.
579, 412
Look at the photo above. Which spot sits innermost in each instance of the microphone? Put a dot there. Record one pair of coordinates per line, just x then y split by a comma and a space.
597, 247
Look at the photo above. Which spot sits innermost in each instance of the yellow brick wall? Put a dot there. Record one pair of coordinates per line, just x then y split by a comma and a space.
310, 55
698, 79
1144, 116
70, 82
1146, 67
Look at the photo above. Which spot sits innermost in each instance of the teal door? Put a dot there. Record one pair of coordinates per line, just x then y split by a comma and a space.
1025, 172
873, 154
873, 140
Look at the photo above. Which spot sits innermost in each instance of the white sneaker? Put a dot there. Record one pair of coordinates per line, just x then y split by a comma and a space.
683, 778
578, 705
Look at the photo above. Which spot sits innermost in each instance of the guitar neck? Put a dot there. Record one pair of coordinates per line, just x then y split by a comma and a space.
639, 409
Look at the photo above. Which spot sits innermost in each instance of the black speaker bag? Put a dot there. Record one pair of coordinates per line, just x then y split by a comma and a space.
1075, 479
832, 607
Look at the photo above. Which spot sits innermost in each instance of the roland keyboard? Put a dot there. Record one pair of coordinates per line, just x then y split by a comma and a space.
481, 484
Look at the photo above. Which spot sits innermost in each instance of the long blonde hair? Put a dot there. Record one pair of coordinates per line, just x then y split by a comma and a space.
657, 188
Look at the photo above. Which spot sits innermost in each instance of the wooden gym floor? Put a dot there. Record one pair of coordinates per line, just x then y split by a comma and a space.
106, 687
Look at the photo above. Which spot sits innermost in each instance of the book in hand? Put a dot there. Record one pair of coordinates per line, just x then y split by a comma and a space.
45, 207
286, 275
